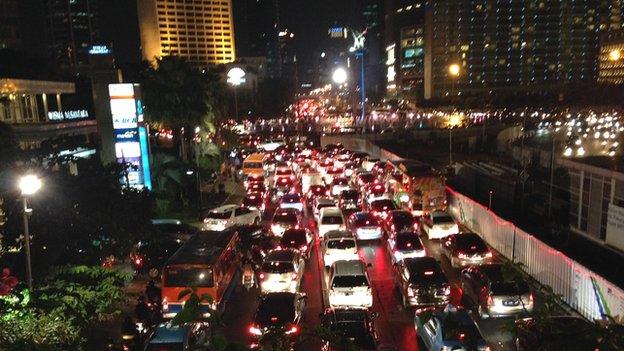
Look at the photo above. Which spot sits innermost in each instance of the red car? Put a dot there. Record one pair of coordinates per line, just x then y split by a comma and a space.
315, 191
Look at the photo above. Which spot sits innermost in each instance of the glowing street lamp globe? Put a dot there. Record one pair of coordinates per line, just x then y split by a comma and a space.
236, 76
454, 69
615, 55
339, 76
29, 184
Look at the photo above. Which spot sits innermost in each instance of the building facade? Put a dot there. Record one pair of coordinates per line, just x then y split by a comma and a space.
9, 24
43, 110
201, 31
611, 58
516, 45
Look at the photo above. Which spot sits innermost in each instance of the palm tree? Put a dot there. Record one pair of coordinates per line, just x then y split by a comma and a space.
177, 95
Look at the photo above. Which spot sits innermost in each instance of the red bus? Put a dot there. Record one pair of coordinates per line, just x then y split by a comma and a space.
208, 262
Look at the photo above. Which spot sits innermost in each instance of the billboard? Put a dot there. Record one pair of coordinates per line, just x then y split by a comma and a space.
131, 138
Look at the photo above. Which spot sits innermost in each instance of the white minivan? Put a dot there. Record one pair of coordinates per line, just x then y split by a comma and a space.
349, 285
330, 218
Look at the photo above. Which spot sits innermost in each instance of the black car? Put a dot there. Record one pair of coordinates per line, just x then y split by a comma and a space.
278, 313
150, 256
256, 241
352, 326
400, 221
422, 282
350, 200
299, 239
174, 228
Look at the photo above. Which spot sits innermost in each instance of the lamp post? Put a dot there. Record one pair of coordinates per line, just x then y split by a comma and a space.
236, 77
453, 69
29, 185
339, 77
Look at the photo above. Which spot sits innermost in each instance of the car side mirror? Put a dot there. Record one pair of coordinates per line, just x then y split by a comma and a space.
369, 265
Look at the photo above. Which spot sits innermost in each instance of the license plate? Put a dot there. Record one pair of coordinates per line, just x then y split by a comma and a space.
511, 303
348, 294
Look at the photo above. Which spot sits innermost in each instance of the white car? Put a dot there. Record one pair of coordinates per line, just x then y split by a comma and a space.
438, 225
330, 218
321, 203
331, 173
339, 245
405, 245
227, 216
309, 179
349, 285
281, 271
338, 185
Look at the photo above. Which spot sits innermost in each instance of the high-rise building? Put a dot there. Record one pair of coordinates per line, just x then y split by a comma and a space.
517, 45
611, 58
73, 28
9, 24
373, 21
201, 31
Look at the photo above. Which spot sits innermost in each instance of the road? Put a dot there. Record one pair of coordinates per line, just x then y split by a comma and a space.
394, 324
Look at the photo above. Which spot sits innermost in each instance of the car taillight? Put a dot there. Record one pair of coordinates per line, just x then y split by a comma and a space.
327, 193
415, 226
462, 255
392, 227
255, 330
261, 275
488, 254
410, 291
447, 290
293, 276
165, 304
490, 301
138, 261
304, 248
205, 220
531, 298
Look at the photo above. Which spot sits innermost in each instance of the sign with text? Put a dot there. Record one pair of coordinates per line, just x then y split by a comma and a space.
130, 147
615, 226
65, 115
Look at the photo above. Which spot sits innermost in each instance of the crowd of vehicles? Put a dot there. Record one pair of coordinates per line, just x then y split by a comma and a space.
333, 200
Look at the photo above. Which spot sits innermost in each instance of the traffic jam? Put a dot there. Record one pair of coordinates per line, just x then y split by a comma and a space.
332, 249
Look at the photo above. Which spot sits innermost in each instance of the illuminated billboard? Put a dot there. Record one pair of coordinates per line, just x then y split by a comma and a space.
130, 134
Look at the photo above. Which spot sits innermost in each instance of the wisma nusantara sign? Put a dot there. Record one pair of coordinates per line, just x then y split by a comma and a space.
66, 115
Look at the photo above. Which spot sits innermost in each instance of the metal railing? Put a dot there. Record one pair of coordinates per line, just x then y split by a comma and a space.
582, 289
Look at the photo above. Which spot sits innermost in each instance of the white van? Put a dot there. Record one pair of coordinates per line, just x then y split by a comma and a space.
349, 285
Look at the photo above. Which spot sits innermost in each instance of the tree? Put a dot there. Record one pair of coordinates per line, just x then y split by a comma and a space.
9, 147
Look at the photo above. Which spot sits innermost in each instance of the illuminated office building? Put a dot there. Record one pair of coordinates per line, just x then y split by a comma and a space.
201, 31
611, 58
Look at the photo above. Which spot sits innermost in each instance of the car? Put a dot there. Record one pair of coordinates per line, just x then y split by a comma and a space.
556, 333
283, 219
167, 337
494, 293
341, 159
349, 169
349, 285
354, 324
374, 191
297, 239
309, 179
465, 249
256, 188
255, 201
283, 173
405, 245
338, 245
330, 218
365, 226
362, 179
253, 179
400, 221
421, 282
331, 173
438, 225
449, 329
291, 201
227, 216
315, 192
381, 207
174, 228
320, 203
278, 313
281, 270
150, 255
284, 182
276, 193
338, 185
369, 162
349, 200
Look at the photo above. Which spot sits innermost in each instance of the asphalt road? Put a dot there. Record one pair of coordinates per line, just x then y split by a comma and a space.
394, 324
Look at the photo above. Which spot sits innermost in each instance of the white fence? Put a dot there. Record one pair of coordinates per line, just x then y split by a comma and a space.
585, 291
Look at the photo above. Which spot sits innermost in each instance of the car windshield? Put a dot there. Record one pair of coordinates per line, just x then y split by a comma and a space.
252, 165
188, 277
342, 244
283, 172
294, 237
347, 281
426, 273
365, 220
509, 288
382, 205
331, 219
219, 215
291, 199
402, 218
443, 219
169, 346
277, 267
286, 218
367, 178
408, 242
341, 181
349, 194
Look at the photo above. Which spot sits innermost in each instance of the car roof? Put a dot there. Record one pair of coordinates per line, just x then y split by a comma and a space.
325, 201
349, 268
286, 211
292, 195
326, 211
339, 234
278, 297
418, 263
166, 333
224, 208
281, 255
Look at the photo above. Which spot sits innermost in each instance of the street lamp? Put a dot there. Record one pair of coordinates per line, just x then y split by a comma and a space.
29, 185
339, 76
236, 77
453, 69
615, 55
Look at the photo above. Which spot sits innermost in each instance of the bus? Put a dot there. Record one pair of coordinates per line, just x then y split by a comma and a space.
425, 188
253, 164
209, 263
